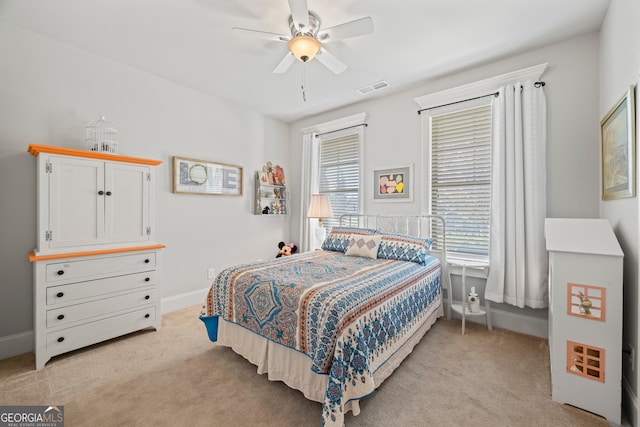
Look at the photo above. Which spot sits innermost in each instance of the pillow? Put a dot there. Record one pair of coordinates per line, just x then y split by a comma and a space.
364, 246
404, 248
338, 239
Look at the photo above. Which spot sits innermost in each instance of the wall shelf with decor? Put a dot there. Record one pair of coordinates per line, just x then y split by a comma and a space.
270, 199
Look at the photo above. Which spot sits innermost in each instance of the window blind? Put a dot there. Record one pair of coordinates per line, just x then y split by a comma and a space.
461, 178
340, 175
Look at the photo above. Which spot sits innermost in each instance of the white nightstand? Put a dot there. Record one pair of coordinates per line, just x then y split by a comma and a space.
462, 308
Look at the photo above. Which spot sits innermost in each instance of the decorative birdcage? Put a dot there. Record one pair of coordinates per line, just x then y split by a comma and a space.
101, 136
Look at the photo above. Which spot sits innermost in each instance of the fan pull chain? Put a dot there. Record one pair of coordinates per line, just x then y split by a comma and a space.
304, 93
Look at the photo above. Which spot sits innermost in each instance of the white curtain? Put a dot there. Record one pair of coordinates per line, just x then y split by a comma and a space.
518, 259
309, 186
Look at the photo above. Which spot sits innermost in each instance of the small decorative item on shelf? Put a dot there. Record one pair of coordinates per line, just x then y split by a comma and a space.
101, 136
278, 175
273, 175
474, 301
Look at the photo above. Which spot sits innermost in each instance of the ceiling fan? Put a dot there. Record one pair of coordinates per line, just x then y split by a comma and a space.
306, 39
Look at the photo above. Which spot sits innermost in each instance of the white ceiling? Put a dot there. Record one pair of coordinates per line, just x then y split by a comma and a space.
190, 42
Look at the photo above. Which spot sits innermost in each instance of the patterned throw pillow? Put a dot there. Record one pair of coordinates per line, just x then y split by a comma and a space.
364, 246
338, 239
404, 248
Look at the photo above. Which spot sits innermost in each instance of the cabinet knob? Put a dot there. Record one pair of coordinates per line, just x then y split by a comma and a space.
60, 317
146, 279
108, 193
146, 316
147, 297
60, 272
147, 261
101, 193
60, 339
60, 294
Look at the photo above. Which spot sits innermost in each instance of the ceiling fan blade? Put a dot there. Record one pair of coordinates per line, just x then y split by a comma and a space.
300, 14
331, 62
285, 63
255, 34
359, 27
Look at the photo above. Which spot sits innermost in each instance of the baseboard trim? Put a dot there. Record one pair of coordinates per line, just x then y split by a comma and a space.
523, 324
180, 301
13, 345
629, 404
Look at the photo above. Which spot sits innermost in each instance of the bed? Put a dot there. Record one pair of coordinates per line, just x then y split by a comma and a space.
335, 323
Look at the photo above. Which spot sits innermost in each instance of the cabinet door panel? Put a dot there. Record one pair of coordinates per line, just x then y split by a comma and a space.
127, 206
76, 210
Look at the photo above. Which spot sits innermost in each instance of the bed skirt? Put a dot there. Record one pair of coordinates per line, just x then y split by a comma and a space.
292, 367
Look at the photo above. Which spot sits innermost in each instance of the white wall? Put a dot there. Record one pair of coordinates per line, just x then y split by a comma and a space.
49, 91
392, 138
620, 68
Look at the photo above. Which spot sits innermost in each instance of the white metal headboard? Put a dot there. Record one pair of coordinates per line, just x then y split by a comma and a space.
413, 225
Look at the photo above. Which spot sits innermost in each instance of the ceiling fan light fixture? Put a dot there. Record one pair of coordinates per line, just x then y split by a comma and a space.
304, 47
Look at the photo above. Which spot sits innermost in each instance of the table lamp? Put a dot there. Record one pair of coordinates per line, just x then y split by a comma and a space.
320, 207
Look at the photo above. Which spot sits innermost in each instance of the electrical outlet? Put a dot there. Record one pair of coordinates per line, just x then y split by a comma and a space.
211, 273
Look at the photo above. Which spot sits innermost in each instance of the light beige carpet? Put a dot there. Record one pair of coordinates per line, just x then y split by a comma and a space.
177, 377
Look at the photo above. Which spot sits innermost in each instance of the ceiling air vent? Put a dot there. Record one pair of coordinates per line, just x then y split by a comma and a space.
372, 87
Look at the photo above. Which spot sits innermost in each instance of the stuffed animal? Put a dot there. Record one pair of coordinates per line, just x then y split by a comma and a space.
286, 250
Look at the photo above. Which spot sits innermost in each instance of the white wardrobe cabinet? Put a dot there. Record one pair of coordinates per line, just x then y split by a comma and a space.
96, 265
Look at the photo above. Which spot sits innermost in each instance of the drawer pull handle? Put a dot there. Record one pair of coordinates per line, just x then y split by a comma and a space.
146, 316
101, 193
60, 317
60, 294
108, 193
146, 261
60, 339
147, 297
146, 279
60, 272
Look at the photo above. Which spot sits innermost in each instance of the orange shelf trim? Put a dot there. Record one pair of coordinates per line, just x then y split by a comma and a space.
35, 149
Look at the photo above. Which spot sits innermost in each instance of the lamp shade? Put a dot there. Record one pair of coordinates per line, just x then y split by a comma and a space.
304, 47
319, 207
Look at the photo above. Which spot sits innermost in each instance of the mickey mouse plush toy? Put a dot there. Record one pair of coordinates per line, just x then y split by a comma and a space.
286, 250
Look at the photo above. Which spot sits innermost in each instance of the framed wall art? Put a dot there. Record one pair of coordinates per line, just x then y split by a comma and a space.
618, 147
393, 184
193, 176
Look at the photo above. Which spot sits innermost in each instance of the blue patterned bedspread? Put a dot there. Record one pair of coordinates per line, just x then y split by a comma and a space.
347, 314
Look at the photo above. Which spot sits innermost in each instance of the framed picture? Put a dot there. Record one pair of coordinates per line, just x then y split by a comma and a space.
393, 184
264, 177
193, 176
618, 146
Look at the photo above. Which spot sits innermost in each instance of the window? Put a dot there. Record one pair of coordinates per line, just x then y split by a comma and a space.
339, 174
460, 177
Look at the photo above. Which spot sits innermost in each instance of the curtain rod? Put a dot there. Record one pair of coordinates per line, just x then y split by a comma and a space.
338, 130
536, 84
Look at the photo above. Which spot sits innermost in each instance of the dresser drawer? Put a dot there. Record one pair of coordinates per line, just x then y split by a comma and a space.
78, 269
74, 313
94, 288
100, 330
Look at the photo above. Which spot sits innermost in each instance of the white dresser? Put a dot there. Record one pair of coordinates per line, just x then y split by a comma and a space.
585, 314
96, 263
